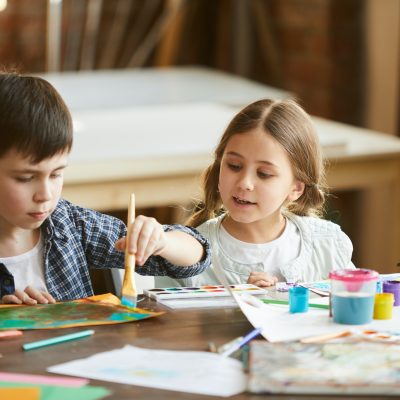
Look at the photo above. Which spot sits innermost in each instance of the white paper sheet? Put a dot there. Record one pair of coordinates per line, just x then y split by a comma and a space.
210, 374
217, 302
279, 325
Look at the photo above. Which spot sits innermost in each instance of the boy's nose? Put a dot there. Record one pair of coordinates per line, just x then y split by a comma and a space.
43, 193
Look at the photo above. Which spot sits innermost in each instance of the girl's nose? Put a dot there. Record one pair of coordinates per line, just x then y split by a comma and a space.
246, 182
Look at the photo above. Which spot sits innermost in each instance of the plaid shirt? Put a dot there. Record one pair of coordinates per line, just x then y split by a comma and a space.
76, 239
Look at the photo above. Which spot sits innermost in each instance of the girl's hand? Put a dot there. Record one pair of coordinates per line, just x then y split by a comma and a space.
262, 279
146, 238
30, 296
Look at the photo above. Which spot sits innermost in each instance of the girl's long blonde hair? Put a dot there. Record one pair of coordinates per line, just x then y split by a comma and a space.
290, 126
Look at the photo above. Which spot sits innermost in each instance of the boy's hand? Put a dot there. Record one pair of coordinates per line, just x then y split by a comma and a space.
147, 237
262, 279
30, 296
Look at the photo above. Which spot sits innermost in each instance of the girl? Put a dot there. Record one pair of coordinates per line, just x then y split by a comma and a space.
263, 196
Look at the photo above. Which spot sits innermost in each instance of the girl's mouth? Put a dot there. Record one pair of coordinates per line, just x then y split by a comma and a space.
242, 201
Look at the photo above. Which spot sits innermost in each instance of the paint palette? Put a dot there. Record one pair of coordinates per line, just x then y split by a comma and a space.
201, 291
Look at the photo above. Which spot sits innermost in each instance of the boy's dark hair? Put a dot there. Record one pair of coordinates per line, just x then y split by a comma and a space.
34, 119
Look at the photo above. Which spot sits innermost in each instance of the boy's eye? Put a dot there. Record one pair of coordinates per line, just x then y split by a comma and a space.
24, 179
57, 175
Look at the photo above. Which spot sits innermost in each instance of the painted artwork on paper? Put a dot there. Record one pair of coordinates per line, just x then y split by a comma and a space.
95, 310
359, 368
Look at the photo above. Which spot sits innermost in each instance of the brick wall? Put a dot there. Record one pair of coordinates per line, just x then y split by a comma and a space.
23, 35
313, 48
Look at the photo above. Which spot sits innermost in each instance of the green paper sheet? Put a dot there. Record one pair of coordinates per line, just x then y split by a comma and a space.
50, 392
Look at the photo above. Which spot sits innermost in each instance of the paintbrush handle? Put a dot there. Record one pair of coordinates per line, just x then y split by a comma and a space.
325, 337
128, 286
130, 260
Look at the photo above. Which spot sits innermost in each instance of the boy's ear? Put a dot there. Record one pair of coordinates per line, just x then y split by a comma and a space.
297, 190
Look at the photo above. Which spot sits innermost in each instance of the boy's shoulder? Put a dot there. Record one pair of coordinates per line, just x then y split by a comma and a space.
67, 214
67, 210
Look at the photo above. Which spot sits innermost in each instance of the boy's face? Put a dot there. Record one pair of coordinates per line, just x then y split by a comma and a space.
29, 192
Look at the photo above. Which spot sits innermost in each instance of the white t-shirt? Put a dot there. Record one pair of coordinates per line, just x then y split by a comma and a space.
272, 254
27, 268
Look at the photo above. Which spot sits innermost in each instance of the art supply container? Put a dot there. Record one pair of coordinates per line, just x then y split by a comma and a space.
379, 285
298, 299
393, 287
352, 295
383, 306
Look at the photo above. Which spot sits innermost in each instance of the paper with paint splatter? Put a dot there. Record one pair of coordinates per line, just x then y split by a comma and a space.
333, 368
95, 310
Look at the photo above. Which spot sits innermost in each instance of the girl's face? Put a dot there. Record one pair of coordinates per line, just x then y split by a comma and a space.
29, 192
256, 178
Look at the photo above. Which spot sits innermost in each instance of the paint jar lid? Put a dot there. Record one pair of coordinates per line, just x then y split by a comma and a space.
298, 290
354, 275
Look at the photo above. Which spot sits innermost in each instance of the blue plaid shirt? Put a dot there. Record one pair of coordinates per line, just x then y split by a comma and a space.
76, 239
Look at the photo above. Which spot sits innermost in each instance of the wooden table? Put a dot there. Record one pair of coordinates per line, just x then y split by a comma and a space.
175, 330
114, 156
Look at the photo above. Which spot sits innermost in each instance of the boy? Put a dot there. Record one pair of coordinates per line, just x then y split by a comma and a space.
47, 244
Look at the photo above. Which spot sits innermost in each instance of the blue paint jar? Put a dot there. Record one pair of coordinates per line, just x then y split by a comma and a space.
352, 308
379, 286
352, 295
298, 299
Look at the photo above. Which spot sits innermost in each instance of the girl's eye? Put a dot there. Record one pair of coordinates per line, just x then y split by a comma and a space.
234, 167
263, 175
55, 176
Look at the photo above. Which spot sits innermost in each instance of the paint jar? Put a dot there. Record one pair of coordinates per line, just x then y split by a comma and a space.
383, 306
352, 295
379, 285
298, 299
393, 287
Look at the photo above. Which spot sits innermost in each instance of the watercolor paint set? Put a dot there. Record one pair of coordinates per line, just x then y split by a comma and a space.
201, 291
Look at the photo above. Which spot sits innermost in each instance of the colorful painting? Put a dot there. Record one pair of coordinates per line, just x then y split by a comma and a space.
332, 368
95, 310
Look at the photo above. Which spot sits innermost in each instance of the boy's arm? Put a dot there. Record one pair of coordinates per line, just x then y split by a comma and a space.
182, 249
188, 254
186, 246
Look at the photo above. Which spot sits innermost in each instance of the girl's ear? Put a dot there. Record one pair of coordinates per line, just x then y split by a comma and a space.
297, 190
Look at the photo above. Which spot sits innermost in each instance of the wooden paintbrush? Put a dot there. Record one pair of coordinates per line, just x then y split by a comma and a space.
129, 292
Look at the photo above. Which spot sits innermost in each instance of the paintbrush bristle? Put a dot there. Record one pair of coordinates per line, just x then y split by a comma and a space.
129, 301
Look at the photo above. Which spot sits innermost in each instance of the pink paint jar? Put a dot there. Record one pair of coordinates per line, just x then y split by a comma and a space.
352, 295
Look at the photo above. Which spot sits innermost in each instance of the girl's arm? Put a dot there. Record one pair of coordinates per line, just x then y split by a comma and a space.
262, 279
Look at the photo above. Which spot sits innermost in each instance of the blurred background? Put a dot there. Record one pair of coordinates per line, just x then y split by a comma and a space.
339, 58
